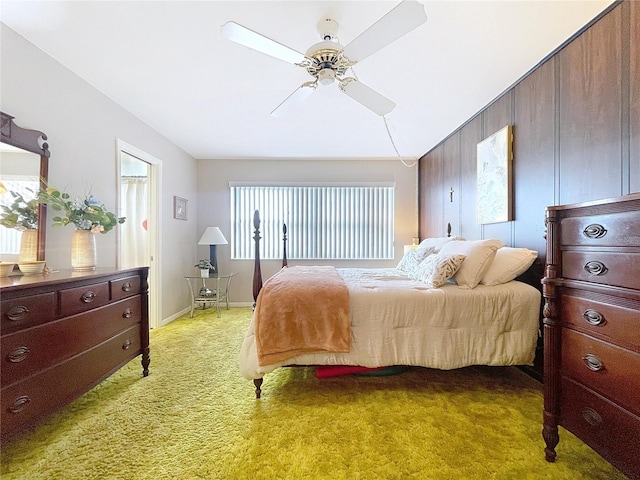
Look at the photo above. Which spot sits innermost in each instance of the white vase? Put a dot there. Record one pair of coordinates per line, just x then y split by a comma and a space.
204, 272
28, 246
83, 250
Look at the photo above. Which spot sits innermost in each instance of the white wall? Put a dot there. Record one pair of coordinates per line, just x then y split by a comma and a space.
82, 125
214, 205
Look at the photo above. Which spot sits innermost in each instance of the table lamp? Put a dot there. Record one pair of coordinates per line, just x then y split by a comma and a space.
212, 236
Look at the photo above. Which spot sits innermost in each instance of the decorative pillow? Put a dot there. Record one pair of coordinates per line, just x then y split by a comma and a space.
410, 261
436, 243
435, 270
479, 253
508, 264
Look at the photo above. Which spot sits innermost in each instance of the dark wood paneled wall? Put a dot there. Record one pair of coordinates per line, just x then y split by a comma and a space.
589, 97
576, 137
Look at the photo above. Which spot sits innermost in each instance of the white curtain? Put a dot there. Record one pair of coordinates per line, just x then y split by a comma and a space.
135, 250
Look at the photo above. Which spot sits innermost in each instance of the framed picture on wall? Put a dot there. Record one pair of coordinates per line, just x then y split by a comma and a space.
494, 178
180, 208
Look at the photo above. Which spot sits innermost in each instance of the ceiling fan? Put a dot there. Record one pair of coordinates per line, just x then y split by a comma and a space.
328, 61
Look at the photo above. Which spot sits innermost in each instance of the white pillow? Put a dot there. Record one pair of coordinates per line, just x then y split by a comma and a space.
479, 253
508, 264
435, 270
436, 243
410, 261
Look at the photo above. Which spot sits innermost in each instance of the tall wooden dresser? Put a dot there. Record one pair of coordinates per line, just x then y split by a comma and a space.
63, 333
592, 328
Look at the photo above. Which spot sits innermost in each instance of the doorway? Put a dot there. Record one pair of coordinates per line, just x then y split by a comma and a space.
138, 237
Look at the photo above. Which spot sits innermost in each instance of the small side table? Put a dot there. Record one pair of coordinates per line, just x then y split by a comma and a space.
211, 290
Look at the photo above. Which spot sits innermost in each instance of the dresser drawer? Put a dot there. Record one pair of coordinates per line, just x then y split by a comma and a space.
618, 323
81, 299
606, 368
24, 403
125, 287
608, 429
615, 229
29, 351
25, 312
618, 269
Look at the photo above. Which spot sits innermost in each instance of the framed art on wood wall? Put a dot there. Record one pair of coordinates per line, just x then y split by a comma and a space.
494, 178
180, 208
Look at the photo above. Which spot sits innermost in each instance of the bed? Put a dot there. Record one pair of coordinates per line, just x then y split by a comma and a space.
394, 317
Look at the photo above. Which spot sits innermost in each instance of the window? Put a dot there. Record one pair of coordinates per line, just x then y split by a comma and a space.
323, 222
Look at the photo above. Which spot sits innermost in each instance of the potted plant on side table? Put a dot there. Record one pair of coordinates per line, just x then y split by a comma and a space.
204, 266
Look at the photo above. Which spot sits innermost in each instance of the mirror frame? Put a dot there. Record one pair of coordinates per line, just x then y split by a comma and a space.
31, 141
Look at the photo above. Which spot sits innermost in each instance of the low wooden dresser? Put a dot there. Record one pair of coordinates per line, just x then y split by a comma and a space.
592, 328
65, 332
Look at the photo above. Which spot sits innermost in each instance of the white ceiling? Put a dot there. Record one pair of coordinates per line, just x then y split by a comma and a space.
167, 63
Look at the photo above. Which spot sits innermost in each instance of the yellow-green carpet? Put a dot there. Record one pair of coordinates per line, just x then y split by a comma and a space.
195, 417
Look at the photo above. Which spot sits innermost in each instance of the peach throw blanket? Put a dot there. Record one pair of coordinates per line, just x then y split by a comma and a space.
299, 310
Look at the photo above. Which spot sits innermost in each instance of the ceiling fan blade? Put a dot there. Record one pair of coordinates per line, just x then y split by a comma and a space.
294, 100
242, 35
368, 97
404, 17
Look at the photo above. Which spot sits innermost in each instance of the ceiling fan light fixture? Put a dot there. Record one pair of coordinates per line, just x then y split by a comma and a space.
326, 76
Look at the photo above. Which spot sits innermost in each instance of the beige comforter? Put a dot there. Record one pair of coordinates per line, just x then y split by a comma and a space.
301, 310
398, 321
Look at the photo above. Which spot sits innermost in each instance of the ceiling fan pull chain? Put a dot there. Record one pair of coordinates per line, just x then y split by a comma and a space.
415, 162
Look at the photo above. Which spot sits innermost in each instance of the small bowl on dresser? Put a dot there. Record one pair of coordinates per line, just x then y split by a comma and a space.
6, 268
31, 268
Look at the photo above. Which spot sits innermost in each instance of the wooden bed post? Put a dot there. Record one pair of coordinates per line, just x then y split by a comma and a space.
257, 280
258, 384
284, 244
257, 273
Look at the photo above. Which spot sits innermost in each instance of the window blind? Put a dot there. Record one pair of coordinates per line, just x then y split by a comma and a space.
323, 222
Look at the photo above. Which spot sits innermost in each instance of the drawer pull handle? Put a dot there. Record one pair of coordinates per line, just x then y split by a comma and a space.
19, 404
126, 344
17, 313
126, 287
596, 268
592, 417
592, 362
18, 355
594, 230
127, 313
593, 317
88, 297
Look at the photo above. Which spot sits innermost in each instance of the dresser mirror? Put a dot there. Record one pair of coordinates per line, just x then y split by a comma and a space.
24, 168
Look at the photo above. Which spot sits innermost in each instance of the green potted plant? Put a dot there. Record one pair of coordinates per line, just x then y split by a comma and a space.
88, 215
22, 215
204, 265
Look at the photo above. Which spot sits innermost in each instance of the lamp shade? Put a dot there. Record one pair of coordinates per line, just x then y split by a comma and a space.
212, 236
